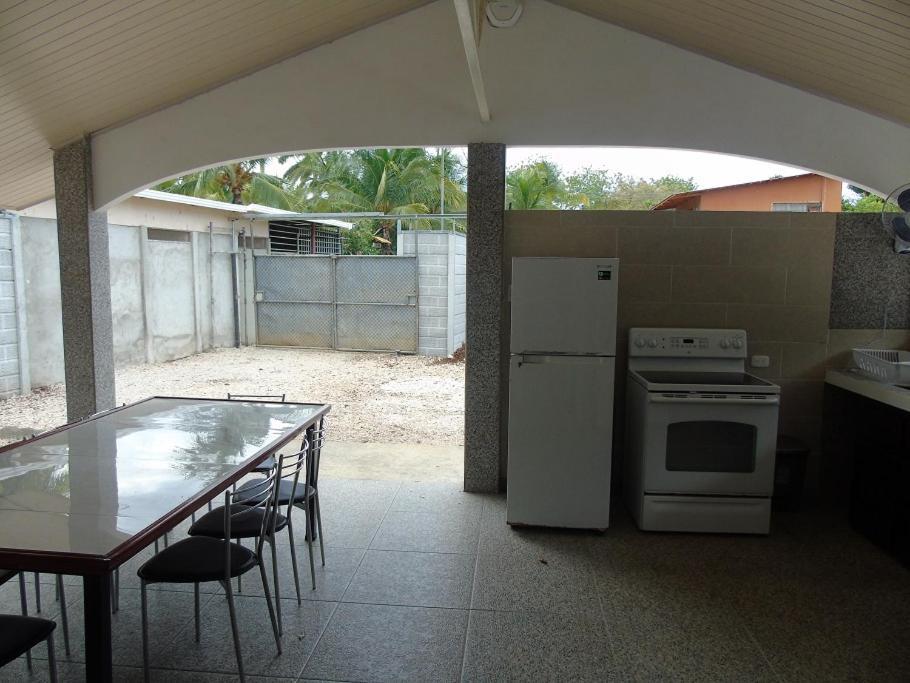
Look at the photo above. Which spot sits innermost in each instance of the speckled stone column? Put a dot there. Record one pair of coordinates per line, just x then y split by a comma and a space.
483, 386
85, 284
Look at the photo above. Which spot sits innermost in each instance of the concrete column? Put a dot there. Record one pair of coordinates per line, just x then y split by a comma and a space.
483, 386
85, 284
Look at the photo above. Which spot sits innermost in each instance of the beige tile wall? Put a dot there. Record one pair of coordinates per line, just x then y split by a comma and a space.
768, 273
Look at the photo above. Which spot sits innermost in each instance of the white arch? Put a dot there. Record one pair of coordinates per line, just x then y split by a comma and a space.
558, 78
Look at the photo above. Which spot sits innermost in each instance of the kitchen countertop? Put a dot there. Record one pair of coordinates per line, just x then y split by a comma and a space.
853, 380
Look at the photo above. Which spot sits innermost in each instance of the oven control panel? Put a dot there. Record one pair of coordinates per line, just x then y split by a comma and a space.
667, 342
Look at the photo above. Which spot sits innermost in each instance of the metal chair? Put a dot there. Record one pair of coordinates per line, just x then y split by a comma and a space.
288, 468
202, 559
300, 497
19, 634
9, 574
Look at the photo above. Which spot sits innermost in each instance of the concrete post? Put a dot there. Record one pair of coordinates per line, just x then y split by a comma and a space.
483, 386
85, 284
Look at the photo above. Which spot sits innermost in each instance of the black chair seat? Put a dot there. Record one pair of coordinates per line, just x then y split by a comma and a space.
284, 492
266, 465
245, 522
195, 560
19, 634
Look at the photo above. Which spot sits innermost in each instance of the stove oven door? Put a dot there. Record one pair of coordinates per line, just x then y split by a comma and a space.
710, 444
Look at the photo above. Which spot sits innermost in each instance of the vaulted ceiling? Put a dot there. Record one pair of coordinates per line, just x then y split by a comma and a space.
853, 51
70, 67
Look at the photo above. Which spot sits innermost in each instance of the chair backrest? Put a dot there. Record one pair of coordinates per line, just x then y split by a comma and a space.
289, 467
277, 398
264, 492
317, 438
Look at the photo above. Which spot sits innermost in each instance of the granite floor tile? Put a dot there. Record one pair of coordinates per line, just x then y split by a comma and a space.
415, 579
390, 643
331, 579
429, 532
67, 672
554, 582
525, 646
436, 496
215, 653
169, 613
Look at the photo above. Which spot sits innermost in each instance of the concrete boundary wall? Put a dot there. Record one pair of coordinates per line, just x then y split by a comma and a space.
10, 369
441, 288
170, 297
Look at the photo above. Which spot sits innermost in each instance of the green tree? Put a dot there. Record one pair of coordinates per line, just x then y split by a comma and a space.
537, 184
604, 189
867, 203
242, 182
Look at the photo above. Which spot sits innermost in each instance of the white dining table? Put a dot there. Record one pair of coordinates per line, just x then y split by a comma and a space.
86, 497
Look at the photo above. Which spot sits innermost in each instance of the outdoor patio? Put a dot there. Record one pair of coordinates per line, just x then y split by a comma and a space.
424, 582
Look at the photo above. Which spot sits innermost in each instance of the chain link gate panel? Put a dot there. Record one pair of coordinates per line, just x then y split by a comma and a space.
360, 303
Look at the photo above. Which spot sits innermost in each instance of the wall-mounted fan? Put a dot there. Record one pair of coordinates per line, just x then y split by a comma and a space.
898, 224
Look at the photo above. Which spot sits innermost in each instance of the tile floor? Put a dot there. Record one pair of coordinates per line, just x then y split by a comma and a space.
425, 583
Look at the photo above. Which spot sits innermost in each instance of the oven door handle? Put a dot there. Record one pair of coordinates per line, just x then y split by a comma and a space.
770, 400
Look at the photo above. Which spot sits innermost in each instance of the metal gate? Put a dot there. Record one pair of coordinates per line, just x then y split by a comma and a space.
354, 303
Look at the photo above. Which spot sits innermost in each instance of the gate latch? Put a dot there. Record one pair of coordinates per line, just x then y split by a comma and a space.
259, 297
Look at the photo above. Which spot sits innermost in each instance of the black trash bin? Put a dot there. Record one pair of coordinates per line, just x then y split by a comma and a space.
789, 472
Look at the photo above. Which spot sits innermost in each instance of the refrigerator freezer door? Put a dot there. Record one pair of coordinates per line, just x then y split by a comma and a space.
560, 434
564, 305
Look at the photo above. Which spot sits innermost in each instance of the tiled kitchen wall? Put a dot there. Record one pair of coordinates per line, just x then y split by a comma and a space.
768, 273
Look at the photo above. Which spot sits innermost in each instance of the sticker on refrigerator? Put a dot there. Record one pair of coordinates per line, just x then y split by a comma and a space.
604, 272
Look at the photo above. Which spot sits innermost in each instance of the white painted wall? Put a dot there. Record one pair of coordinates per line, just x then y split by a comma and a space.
558, 78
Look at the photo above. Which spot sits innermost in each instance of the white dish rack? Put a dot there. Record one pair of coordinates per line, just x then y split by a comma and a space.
885, 365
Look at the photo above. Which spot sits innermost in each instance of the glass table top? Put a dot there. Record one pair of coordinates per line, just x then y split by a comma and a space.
88, 488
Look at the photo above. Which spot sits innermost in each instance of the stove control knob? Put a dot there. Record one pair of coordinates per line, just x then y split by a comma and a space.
652, 343
737, 343
640, 342
724, 343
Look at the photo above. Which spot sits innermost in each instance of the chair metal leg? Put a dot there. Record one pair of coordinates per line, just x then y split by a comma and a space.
309, 542
294, 559
240, 576
64, 621
145, 632
24, 605
115, 592
51, 659
37, 594
277, 585
319, 525
196, 610
268, 599
230, 598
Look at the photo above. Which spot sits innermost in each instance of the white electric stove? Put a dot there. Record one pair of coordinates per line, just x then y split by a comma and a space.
701, 433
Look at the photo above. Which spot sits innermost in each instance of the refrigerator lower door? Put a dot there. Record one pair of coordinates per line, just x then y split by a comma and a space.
560, 441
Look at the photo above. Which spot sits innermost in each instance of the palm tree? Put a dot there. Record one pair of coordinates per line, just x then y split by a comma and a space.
242, 182
534, 185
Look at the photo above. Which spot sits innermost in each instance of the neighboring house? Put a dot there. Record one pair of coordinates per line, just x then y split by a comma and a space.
807, 192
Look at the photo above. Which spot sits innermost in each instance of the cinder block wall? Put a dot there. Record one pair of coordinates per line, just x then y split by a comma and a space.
768, 273
9, 332
441, 288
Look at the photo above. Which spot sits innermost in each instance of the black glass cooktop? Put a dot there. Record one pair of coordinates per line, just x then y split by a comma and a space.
730, 379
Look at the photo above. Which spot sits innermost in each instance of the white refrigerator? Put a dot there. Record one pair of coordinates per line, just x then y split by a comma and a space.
561, 376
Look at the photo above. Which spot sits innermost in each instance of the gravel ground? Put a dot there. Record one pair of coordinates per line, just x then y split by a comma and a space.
377, 398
